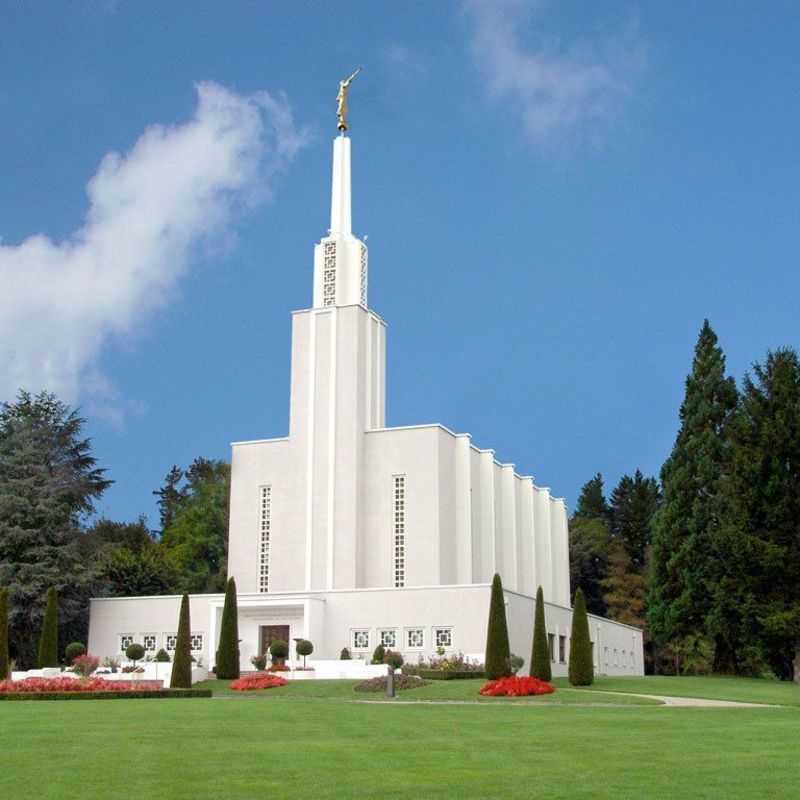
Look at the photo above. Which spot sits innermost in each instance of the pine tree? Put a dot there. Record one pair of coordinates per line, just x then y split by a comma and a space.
48, 642
634, 503
581, 668
228, 652
540, 651
624, 588
684, 526
182, 662
4, 665
592, 500
498, 650
589, 546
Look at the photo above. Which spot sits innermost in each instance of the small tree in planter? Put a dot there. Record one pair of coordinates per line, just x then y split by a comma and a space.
304, 648
378, 654
134, 652
48, 643
344, 655
279, 650
162, 656
72, 651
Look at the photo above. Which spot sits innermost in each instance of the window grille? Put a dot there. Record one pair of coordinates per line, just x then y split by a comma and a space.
363, 276
329, 274
196, 642
389, 638
443, 637
415, 638
360, 640
265, 529
171, 640
399, 516
125, 641
149, 641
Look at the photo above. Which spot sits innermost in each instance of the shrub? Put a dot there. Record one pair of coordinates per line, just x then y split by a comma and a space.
250, 683
344, 655
401, 682
5, 670
455, 663
445, 675
111, 663
136, 693
182, 661
86, 664
48, 642
279, 650
540, 653
581, 668
497, 648
515, 663
304, 648
73, 650
516, 686
378, 654
228, 652
393, 659
134, 652
162, 656
259, 662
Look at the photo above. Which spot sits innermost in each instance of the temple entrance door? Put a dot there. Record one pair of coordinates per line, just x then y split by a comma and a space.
270, 634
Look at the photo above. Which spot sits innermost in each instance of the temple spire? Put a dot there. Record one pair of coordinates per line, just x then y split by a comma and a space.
341, 220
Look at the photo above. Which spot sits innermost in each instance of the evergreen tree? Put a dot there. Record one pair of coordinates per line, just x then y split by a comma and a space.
624, 588
634, 502
170, 496
589, 546
684, 526
48, 641
48, 482
498, 650
581, 667
592, 500
758, 557
228, 652
4, 661
182, 662
540, 652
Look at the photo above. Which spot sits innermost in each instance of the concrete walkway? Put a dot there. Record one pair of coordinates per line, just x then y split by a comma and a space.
691, 702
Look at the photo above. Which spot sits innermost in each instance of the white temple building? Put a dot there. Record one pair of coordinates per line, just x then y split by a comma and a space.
353, 534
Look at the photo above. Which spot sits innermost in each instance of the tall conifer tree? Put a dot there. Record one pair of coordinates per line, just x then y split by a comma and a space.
684, 527
228, 652
498, 651
182, 663
4, 672
540, 652
48, 641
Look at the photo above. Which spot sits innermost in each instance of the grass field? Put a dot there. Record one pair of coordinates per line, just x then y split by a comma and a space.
309, 740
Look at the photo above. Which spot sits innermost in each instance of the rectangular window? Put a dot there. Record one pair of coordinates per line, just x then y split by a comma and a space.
443, 637
265, 526
125, 641
399, 530
562, 649
170, 641
196, 642
415, 638
388, 638
551, 644
149, 641
361, 640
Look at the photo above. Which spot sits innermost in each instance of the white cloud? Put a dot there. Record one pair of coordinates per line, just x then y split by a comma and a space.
152, 212
564, 96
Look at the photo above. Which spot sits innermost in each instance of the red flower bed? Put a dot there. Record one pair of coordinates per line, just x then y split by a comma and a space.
516, 686
37, 685
260, 681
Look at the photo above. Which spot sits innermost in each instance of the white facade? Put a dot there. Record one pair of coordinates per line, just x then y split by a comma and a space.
347, 530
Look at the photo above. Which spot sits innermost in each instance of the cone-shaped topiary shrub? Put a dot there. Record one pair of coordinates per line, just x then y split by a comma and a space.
48, 642
4, 671
581, 668
378, 654
162, 656
540, 653
228, 652
344, 655
182, 662
497, 647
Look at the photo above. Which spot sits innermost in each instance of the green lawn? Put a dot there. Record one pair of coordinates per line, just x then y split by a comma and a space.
715, 688
310, 740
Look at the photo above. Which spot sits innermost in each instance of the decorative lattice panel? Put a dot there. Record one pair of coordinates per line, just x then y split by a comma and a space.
443, 637
360, 640
265, 531
329, 274
415, 638
399, 492
363, 276
389, 638
149, 641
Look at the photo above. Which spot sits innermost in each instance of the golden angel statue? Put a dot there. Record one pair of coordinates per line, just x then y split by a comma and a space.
341, 101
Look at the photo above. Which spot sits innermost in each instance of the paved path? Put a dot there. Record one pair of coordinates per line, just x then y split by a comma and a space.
692, 702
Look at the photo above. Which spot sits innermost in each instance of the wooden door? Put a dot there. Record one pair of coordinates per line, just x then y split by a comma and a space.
271, 633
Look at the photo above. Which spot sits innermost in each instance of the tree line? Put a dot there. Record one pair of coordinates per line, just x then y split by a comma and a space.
49, 537
707, 560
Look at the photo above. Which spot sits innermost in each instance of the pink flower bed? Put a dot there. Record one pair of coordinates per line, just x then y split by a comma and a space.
40, 685
260, 681
516, 687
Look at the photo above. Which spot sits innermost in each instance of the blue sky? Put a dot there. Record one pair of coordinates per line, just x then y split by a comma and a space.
556, 195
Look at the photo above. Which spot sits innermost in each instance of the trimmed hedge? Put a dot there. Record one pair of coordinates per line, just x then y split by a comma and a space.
140, 695
448, 675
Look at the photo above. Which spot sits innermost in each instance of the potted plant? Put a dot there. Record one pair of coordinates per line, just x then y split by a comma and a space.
304, 648
279, 650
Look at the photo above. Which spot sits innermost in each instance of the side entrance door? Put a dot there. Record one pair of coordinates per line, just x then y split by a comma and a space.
272, 633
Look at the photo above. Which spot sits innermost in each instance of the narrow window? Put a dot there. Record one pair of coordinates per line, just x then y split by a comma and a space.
265, 526
399, 516
551, 643
562, 649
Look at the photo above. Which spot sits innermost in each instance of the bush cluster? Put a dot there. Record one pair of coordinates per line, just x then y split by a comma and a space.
401, 682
